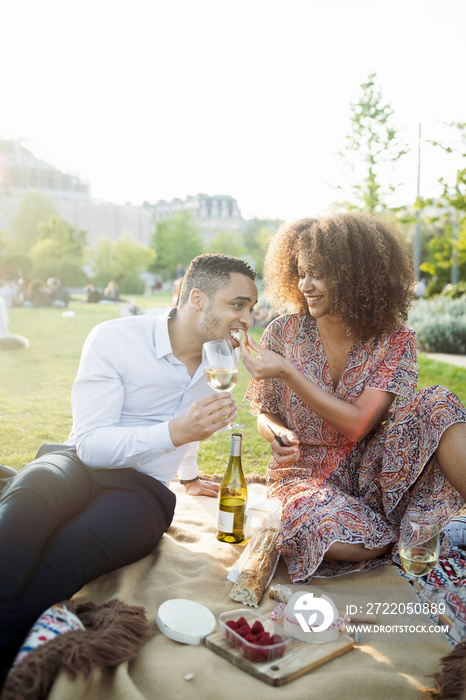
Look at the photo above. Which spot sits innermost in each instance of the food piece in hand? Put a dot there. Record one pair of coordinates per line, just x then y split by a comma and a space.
239, 334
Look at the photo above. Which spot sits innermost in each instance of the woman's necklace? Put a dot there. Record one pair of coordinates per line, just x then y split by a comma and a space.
328, 350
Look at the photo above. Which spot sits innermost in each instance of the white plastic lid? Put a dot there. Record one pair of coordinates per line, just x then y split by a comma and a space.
185, 621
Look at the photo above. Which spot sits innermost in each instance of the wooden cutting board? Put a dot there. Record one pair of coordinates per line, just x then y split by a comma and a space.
300, 658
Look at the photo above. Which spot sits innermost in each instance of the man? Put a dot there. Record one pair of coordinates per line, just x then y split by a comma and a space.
140, 405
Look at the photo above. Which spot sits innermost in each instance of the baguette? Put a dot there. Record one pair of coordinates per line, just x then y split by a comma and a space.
260, 560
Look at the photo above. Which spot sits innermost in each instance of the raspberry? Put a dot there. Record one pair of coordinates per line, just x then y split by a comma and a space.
263, 639
255, 654
257, 627
250, 638
232, 624
243, 630
276, 639
242, 621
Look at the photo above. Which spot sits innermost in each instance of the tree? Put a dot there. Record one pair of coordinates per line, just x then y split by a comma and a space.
35, 208
256, 238
176, 240
227, 242
120, 260
455, 195
372, 150
440, 253
447, 247
59, 247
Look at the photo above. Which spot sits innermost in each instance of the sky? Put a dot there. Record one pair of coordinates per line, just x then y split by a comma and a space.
156, 99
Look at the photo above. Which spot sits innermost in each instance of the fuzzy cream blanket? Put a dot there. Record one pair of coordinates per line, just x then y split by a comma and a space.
190, 563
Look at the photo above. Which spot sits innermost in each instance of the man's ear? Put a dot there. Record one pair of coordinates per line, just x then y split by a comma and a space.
197, 298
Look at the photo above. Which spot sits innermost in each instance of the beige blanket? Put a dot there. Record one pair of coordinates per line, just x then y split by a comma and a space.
190, 563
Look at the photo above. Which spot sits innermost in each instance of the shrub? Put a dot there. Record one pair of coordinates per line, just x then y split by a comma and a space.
440, 324
131, 284
454, 291
69, 271
72, 273
434, 288
12, 263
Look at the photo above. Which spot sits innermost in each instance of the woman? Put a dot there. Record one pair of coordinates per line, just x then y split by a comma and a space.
336, 382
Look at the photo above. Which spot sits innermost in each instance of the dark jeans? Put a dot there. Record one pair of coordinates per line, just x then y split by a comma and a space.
63, 524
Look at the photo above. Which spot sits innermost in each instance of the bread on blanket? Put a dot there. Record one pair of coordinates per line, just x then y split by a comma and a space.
260, 560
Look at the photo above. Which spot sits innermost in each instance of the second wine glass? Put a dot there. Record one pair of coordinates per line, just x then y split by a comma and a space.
419, 548
220, 362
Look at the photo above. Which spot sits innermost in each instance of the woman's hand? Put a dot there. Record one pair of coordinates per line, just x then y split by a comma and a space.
267, 364
288, 453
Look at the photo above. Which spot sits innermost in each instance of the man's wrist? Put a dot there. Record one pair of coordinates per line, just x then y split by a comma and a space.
189, 481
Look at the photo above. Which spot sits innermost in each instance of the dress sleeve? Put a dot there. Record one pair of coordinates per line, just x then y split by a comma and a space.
396, 370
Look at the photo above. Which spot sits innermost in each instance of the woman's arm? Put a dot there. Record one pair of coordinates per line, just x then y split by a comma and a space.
354, 421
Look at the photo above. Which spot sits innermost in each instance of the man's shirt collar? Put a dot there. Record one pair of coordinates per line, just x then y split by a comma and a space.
163, 346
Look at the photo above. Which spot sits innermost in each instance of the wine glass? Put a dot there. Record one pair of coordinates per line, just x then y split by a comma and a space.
220, 362
419, 547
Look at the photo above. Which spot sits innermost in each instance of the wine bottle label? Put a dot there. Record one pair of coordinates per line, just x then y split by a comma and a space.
225, 521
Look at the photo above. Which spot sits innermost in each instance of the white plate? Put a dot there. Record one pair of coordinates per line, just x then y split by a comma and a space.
185, 621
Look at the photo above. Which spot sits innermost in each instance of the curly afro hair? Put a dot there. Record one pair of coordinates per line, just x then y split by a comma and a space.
363, 262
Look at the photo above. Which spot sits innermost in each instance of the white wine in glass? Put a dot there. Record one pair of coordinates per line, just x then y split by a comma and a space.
418, 561
221, 379
419, 548
220, 362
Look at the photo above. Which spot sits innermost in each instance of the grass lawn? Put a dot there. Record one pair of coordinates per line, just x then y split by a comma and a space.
35, 385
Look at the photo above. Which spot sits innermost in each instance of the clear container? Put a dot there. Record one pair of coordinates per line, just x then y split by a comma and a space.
250, 649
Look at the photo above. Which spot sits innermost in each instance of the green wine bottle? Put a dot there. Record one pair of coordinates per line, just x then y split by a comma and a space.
232, 497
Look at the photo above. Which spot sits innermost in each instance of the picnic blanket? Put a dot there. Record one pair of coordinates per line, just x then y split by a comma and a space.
190, 563
444, 590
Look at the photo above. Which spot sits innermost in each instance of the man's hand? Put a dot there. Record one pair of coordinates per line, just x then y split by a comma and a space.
203, 418
202, 488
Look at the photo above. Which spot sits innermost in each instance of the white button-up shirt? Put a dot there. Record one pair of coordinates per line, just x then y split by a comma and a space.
128, 387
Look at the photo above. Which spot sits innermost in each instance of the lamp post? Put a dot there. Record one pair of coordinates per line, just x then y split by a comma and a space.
417, 228
454, 273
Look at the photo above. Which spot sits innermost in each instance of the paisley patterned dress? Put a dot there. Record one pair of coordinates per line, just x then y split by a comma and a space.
354, 492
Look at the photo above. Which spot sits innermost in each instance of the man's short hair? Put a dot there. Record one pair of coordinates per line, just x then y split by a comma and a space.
209, 272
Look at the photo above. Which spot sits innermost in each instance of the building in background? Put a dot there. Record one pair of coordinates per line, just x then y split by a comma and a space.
212, 213
22, 172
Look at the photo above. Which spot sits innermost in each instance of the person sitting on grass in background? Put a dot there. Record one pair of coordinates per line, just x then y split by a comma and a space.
140, 406
59, 295
359, 448
8, 341
93, 294
112, 292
